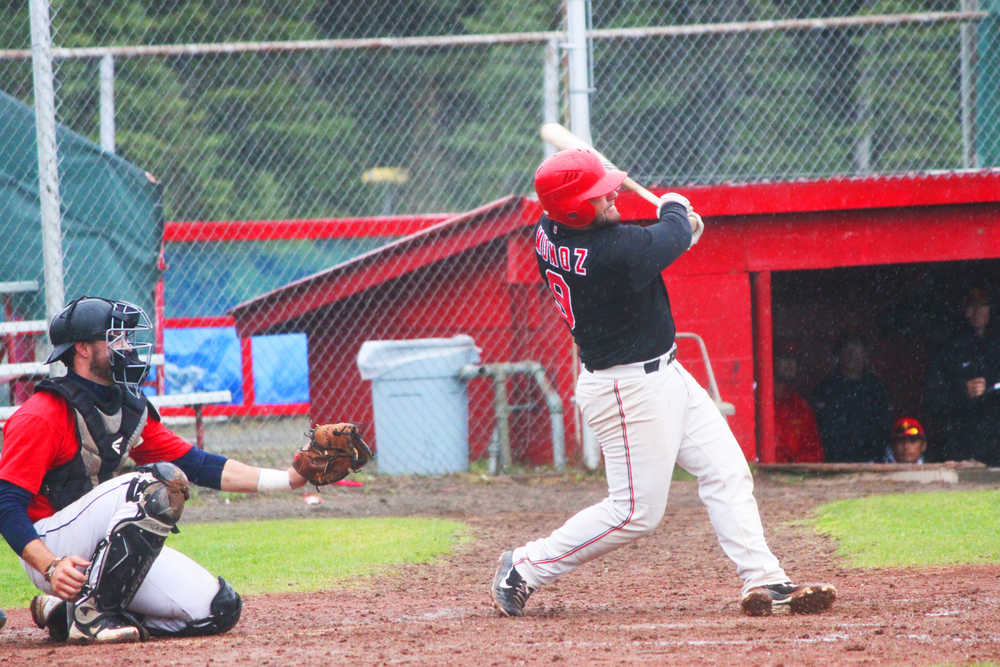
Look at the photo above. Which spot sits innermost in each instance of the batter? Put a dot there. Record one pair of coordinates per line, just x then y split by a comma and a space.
647, 412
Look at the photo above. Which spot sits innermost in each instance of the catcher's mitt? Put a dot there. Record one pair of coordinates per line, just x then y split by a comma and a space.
333, 451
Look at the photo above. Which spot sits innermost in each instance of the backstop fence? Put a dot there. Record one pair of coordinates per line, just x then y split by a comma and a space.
293, 143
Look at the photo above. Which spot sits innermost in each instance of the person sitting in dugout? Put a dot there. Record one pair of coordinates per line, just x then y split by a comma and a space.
93, 542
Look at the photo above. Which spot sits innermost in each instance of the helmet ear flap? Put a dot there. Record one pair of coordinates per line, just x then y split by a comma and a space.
582, 216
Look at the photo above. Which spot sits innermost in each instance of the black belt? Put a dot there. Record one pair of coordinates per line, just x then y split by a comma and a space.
654, 365
649, 366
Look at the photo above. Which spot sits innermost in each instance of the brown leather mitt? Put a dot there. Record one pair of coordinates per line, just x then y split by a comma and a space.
333, 451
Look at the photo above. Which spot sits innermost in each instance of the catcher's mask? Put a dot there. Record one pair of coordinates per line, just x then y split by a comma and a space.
567, 180
123, 326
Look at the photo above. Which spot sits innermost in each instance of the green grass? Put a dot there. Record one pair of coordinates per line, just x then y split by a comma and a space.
915, 529
289, 554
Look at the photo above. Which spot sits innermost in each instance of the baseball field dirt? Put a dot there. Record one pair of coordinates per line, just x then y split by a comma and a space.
668, 598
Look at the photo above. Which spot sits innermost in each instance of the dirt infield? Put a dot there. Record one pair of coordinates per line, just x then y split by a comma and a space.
670, 597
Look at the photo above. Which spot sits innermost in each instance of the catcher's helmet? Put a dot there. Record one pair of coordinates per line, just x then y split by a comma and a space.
122, 325
566, 181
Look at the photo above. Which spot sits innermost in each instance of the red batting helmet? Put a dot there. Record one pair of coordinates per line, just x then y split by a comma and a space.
566, 180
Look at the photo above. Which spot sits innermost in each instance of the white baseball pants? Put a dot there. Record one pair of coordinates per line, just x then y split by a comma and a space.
645, 423
176, 590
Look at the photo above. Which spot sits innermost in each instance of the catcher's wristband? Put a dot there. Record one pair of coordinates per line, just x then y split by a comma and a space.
273, 480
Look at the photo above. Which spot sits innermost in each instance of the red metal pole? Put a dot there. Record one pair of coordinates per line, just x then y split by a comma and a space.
760, 285
159, 316
246, 358
199, 428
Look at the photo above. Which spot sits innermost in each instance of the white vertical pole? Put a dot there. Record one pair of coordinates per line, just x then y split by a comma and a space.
863, 120
579, 69
967, 35
108, 103
48, 157
550, 89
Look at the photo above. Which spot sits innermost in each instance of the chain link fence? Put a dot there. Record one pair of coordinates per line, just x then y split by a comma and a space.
300, 163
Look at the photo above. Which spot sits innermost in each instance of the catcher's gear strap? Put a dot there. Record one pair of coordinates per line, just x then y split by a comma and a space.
225, 608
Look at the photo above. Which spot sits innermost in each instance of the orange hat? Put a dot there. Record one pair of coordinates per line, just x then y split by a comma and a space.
908, 427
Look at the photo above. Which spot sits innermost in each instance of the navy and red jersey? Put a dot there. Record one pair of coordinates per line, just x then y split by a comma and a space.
607, 286
41, 436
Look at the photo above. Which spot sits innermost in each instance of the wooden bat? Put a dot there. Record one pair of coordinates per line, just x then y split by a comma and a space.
562, 138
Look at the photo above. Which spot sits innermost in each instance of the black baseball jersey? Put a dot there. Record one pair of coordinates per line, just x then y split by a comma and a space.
607, 286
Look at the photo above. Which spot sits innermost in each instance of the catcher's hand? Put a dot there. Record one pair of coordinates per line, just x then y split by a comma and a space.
333, 451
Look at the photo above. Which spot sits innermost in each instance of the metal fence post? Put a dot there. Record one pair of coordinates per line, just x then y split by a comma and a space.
48, 157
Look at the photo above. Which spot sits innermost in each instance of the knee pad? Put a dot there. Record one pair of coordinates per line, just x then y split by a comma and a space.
225, 610
161, 491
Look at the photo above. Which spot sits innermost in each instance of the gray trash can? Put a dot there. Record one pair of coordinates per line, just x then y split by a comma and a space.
421, 407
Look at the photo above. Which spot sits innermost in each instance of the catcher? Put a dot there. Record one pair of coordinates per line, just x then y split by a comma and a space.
93, 542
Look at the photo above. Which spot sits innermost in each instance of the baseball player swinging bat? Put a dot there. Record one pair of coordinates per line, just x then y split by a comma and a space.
562, 138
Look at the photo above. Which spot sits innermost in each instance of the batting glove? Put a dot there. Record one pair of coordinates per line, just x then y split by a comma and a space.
697, 225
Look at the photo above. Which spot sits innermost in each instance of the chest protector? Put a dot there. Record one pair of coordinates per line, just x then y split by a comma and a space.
105, 434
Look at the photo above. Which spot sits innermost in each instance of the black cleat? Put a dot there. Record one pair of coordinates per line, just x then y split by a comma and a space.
779, 598
49, 612
509, 591
89, 625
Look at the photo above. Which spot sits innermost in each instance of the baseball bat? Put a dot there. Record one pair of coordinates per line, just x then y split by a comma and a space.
560, 137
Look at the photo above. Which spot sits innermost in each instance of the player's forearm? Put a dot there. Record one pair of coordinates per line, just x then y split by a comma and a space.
243, 478
667, 240
37, 555
65, 573
15, 526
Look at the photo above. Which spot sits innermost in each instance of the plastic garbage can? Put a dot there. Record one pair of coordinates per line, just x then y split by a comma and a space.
421, 407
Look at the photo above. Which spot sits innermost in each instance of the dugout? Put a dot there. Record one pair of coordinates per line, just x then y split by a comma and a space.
889, 257
885, 255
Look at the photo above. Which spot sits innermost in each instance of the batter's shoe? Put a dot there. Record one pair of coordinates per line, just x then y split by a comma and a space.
3, 619
88, 625
780, 598
49, 612
509, 591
